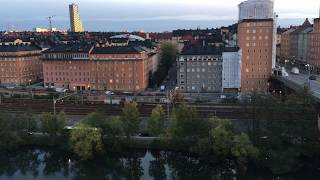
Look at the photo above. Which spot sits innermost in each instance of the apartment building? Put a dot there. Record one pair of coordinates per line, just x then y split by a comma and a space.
83, 67
255, 39
20, 64
200, 70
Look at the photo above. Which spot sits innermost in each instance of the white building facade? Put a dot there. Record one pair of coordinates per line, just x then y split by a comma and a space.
231, 69
256, 9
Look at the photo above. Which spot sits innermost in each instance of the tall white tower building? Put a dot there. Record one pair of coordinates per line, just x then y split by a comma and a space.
75, 21
261, 9
256, 9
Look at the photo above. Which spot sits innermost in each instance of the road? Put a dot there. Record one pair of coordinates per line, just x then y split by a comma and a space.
303, 79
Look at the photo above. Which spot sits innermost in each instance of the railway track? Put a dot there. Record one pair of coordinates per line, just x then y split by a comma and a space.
145, 109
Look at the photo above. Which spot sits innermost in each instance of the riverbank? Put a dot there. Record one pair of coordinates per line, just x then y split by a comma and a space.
282, 135
51, 163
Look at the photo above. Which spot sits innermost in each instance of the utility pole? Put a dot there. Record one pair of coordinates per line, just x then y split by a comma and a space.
168, 105
54, 106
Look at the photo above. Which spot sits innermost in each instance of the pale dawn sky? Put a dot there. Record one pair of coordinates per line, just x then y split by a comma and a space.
25, 14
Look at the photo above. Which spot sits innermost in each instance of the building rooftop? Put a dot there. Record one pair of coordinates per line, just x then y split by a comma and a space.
130, 37
199, 50
18, 48
231, 49
69, 48
255, 20
118, 50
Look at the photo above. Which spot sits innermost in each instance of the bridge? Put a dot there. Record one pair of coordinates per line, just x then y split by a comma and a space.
297, 82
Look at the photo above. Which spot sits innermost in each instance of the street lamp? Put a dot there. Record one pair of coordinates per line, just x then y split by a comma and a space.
89, 90
309, 70
54, 106
29, 81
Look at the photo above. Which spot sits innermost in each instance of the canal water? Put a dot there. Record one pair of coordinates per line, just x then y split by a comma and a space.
48, 164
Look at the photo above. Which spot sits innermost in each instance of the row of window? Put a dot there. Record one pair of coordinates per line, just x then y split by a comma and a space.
254, 31
66, 56
68, 73
202, 64
199, 76
199, 58
254, 24
111, 81
254, 38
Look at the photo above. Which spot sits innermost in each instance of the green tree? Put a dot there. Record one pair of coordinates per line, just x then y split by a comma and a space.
26, 122
168, 54
114, 127
86, 141
243, 150
9, 132
156, 122
284, 131
186, 128
130, 118
96, 119
53, 124
221, 137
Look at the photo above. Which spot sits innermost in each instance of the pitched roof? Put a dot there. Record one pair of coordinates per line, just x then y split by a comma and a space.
130, 37
69, 48
306, 23
231, 49
118, 50
17, 48
199, 50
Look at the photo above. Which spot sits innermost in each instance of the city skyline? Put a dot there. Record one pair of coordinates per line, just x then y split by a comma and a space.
103, 15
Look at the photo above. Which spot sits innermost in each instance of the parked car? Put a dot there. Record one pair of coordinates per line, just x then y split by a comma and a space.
313, 77
109, 93
295, 70
10, 87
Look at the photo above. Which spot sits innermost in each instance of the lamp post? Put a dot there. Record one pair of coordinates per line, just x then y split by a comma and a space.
54, 106
29, 81
309, 73
89, 90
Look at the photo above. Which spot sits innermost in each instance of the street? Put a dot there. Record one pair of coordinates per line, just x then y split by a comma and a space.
303, 79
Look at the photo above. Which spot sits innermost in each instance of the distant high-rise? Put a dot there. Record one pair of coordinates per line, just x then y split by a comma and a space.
257, 41
75, 21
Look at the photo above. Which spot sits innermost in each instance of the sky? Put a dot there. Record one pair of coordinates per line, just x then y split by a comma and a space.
147, 15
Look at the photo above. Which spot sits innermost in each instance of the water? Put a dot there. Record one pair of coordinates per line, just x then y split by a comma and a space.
51, 164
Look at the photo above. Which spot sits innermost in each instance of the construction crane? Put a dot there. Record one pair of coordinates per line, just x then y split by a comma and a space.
50, 22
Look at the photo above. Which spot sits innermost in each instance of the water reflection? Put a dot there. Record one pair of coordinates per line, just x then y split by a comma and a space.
158, 165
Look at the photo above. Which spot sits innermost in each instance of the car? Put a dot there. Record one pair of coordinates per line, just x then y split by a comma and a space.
313, 77
109, 93
11, 87
295, 70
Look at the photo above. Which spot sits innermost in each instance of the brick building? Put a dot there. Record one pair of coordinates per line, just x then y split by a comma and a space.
285, 44
255, 39
79, 67
67, 66
123, 68
20, 64
314, 46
